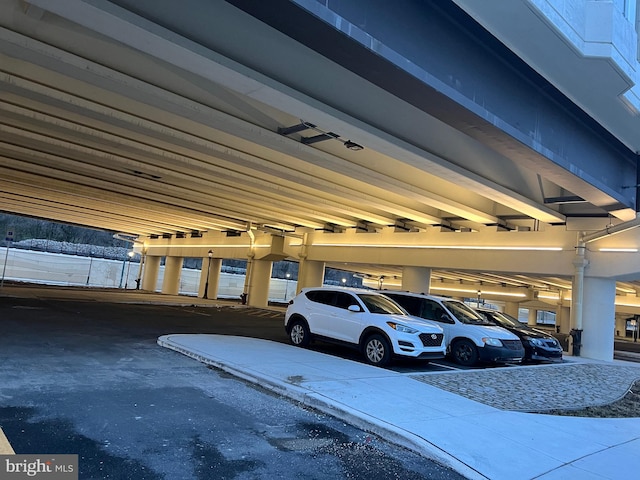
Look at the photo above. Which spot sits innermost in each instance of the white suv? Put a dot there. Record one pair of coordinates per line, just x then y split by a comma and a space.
470, 338
362, 319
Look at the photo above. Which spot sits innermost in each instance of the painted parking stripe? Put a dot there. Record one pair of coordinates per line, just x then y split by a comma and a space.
5, 446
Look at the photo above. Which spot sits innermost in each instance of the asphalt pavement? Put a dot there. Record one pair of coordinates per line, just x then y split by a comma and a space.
474, 421
81, 373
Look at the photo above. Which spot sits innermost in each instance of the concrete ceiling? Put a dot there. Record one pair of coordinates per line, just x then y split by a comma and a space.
110, 121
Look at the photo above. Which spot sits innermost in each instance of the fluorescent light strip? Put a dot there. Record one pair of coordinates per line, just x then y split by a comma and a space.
475, 291
180, 245
627, 250
440, 247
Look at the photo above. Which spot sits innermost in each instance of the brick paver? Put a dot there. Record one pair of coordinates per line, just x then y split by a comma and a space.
539, 387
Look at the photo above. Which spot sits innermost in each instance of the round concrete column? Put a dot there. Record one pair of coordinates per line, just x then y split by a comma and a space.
214, 277
258, 294
150, 274
532, 318
598, 318
310, 274
416, 279
172, 271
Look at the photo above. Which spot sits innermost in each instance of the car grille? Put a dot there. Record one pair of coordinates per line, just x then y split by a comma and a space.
512, 344
431, 339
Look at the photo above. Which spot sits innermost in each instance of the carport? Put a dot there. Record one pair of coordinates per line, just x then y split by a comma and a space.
326, 137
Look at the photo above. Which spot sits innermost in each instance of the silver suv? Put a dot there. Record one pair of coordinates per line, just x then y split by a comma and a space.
362, 319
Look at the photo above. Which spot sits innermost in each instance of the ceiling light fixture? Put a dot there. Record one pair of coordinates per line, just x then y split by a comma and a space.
353, 145
295, 128
323, 135
443, 247
476, 291
319, 138
627, 250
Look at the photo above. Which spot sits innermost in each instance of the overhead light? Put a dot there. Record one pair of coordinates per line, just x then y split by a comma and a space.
295, 128
442, 247
218, 245
353, 145
319, 138
627, 250
478, 292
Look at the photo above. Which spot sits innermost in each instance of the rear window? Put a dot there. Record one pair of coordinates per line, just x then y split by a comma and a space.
332, 298
326, 297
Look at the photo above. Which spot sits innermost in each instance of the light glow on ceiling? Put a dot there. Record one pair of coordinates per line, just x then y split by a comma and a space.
443, 247
479, 292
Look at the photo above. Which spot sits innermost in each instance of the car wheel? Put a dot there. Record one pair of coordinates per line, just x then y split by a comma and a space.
465, 353
299, 333
377, 350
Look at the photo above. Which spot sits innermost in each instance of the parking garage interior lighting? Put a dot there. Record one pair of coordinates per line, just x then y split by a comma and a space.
353, 145
442, 247
622, 250
203, 245
482, 292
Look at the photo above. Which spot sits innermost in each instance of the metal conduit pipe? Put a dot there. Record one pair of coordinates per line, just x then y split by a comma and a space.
577, 294
614, 229
580, 263
247, 278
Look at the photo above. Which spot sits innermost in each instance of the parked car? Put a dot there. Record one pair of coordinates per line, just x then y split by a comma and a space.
470, 338
538, 345
362, 319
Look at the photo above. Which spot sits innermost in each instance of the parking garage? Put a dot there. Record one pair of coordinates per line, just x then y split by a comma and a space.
429, 158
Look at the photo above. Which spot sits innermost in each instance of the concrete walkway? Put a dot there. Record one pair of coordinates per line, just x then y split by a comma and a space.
481, 436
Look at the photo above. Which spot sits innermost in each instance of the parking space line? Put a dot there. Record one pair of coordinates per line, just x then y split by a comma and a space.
446, 366
5, 446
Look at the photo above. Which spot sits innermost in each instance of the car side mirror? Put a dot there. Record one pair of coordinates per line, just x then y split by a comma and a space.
354, 308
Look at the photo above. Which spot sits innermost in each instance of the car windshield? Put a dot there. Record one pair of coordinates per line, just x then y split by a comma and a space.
465, 314
381, 304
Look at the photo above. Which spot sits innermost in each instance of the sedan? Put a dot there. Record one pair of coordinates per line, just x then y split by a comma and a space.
538, 345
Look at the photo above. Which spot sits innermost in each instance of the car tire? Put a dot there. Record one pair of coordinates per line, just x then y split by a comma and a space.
465, 353
377, 350
299, 333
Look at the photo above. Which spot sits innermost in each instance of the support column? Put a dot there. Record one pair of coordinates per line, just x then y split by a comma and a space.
563, 313
512, 308
598, 318
258, 294
213, 283
172, 271
310, 274
416, 279
150, 275
532, 318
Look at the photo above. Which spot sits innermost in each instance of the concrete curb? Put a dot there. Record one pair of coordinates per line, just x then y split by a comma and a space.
357, 418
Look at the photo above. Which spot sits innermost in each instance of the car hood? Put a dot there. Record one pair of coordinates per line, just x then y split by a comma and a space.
495, 332
529, 332
417, 322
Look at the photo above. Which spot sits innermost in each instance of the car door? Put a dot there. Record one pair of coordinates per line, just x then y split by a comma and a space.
348, 324
321, 311
433, 311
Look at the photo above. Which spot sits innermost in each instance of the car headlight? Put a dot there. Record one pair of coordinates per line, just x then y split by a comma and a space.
398, 327
494, 342
537, 342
